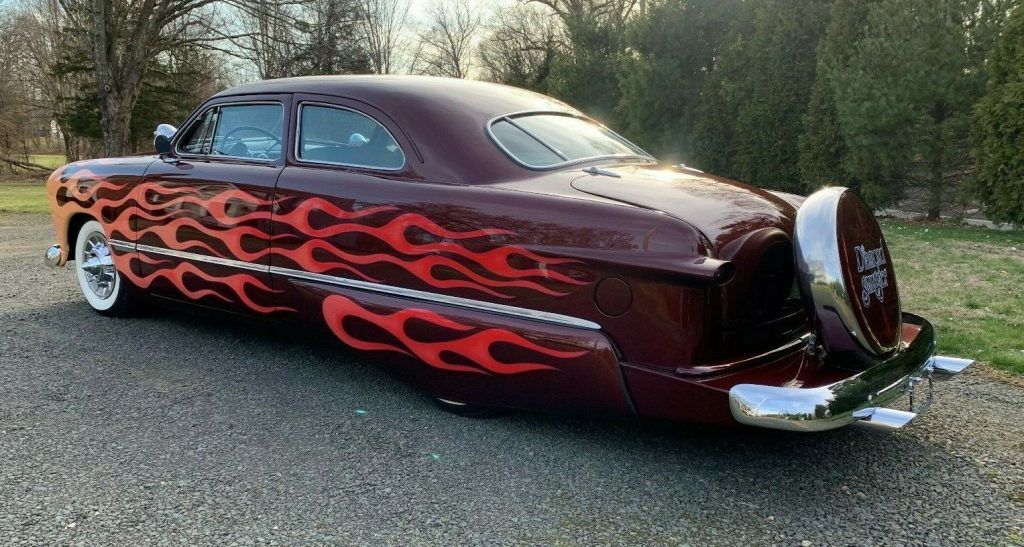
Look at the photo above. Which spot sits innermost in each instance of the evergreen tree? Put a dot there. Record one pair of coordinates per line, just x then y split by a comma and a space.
904, 98
714, 144
777, 91
671, 49
764, 83
999, 128
822, 146
585, 74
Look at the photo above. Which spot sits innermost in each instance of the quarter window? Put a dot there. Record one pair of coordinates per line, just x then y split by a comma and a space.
345, 137
198, 141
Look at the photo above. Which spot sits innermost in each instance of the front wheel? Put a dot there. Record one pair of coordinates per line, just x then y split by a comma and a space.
101, 285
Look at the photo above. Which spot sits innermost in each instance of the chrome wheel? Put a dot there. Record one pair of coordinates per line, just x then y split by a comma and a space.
97, 276
98, 265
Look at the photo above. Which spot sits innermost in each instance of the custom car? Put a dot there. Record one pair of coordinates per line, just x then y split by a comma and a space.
499, 249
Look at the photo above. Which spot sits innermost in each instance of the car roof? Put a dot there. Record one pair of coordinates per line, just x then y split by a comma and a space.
495, 99
446, 118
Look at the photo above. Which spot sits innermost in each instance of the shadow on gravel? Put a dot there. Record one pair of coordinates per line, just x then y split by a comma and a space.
299, 380
320, 358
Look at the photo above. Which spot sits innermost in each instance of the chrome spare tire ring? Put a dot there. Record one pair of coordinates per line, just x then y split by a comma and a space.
845, 274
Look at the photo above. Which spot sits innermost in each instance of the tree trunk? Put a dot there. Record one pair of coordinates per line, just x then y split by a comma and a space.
935, 187
115, 122
118, 79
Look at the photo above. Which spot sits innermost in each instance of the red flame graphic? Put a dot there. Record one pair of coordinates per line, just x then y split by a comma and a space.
484, 271
234, 285
475, 346
174, 215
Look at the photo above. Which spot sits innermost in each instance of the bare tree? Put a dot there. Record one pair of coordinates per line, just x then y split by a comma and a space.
330, 45
447, 42
25, 106
520, 46
126, 36
47, 46
576, 12
381, 25
269, 40
10, 89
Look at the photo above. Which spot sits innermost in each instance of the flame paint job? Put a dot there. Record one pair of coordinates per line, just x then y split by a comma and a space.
500, 361
470, 344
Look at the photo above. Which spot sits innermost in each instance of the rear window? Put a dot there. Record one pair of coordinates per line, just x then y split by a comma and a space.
540, 140
341, 136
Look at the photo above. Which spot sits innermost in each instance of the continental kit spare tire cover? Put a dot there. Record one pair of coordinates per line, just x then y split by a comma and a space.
845, 274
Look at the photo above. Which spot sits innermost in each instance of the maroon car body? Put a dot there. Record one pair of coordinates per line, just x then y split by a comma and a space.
597, 284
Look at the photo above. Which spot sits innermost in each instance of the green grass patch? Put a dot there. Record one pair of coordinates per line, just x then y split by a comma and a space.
23, 197
52, 161
969, 282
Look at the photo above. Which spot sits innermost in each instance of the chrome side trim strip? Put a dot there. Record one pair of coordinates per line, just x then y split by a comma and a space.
184, 255
121, 245
380, 288
442, 299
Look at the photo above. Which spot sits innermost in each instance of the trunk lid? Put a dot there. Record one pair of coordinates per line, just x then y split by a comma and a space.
723, 210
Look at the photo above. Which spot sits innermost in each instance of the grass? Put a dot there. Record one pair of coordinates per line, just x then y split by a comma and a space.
969, 282
52, 161
23, 195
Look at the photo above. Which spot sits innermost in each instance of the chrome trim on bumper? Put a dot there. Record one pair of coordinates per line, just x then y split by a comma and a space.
413, 294
885, 418
950, 365
52, 256
858, 398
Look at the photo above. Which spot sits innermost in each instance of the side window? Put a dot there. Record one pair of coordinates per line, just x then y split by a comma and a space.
345, 137
198, 141
252, 131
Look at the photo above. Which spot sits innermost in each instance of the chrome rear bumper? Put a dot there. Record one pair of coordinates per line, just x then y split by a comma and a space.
855, 399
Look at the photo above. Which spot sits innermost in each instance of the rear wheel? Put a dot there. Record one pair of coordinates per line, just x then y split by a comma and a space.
466, 410
101, 285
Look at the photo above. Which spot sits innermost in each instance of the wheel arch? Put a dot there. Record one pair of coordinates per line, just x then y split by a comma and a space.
75, 224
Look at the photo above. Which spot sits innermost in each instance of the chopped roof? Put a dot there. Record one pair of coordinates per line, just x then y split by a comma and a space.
446, 118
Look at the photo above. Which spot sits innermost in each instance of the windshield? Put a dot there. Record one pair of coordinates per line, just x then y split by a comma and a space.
545, 139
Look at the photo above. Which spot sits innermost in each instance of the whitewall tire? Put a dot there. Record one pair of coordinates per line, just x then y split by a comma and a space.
101, 285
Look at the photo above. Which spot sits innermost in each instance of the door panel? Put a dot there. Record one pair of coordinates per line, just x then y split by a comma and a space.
204, 223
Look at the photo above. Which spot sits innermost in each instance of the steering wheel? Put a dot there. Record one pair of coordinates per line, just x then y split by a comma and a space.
277, 140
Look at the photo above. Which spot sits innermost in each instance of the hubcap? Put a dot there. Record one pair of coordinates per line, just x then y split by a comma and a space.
98, 265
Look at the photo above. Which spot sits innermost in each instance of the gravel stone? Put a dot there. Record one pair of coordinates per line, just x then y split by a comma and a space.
177, 429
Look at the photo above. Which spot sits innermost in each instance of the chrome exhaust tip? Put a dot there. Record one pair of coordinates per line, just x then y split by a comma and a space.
883, 418
942, 365
52, 256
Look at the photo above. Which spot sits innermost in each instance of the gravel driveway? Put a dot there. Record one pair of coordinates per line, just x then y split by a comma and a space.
176, 429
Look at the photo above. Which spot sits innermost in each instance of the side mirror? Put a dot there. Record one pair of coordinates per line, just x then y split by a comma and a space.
162, 138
